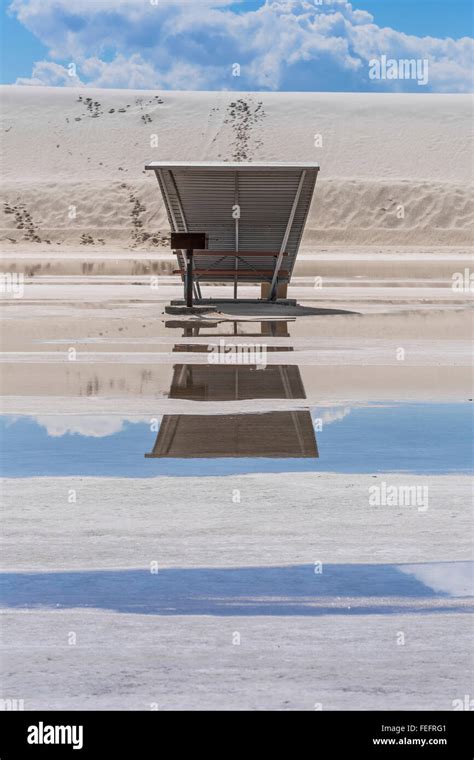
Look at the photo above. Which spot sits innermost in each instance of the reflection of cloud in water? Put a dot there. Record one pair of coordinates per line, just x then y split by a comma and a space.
335, 414
454, 578
92, 426
101, 426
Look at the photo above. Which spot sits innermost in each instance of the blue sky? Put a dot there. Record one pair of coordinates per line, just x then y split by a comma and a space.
278, 44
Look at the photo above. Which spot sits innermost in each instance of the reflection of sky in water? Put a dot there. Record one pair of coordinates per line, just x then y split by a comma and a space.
279, 590
420, 438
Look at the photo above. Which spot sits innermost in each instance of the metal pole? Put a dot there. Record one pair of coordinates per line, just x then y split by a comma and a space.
273, 285
236, 203
186, 229
189, 276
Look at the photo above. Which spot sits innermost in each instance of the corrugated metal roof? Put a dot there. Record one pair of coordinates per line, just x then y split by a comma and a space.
240, 165
271, 201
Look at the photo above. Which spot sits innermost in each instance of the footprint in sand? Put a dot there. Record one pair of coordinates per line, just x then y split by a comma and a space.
243, 116
94, 108
138, 234
23, 221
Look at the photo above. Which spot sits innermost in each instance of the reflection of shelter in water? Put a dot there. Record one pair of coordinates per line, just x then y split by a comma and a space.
272, 434
269, 434
235, 382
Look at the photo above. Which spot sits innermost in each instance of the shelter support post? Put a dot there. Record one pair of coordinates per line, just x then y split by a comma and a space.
189, 242
281, 290
273, 287
188, 282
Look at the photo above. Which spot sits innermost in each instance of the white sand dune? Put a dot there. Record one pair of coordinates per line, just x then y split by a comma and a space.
394, 168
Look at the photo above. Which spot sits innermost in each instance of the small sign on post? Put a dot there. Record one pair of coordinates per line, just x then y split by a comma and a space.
197, 241
189, 242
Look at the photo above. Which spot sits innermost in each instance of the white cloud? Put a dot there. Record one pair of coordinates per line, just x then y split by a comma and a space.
51, 74
452, 578
335, 414
133, 72
192, 44
90, 426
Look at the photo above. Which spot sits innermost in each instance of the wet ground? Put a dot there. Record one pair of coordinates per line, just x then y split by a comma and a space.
411, 438
251, 511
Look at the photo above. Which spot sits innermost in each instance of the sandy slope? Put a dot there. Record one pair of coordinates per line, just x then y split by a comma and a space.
379, 153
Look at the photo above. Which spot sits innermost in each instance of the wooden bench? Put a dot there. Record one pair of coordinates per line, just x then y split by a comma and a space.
237, 254
191, 273
233, 272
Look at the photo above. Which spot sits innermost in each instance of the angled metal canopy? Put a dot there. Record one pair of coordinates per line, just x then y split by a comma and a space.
253, 213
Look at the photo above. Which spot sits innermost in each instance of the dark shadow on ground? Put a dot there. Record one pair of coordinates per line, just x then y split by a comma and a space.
274, 310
